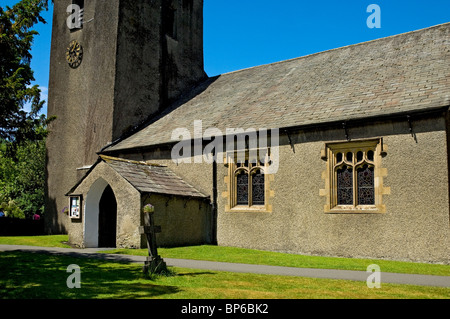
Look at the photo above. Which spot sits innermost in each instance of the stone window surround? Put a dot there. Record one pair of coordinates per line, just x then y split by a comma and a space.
329, 176
231, 193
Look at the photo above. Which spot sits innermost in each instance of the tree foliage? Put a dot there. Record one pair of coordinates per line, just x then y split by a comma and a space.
22, 180
16, 75
22, 134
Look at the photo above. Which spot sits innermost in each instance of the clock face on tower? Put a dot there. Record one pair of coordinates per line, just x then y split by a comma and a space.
74, 54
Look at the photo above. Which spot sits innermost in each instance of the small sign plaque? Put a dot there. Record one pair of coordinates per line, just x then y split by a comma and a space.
75, 207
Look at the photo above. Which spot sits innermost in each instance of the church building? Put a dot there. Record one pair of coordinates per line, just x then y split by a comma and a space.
339, 153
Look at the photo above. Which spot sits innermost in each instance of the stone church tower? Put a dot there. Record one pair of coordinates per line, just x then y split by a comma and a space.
114, 65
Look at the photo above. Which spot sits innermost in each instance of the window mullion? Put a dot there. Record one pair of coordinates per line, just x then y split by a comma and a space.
234, 189
349, 171
250, 189
355, 182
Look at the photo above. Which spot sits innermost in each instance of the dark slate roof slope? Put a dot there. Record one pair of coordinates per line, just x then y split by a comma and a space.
150, 178
400, 73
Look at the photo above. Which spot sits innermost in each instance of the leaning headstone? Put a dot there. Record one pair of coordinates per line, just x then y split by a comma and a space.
154, 263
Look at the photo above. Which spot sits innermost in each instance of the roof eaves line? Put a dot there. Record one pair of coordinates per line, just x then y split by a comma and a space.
117, 159
349, 120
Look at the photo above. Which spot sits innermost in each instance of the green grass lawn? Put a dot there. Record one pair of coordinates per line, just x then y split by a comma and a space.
249, 256
39, 276
42, 241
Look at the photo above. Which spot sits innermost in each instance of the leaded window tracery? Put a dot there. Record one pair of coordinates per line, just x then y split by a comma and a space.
250, 183
242, 187
366, 189
354, 171
258, 196
354, 176
345, 186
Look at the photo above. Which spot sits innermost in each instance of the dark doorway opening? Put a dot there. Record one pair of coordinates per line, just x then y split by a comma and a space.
107, 219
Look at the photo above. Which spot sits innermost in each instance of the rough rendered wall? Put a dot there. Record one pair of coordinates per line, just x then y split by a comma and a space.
183, 221
81, 99
183, 54
416, 223
138, 76
153, 69
415, 226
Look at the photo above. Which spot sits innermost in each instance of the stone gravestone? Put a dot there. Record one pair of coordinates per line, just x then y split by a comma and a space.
154, 263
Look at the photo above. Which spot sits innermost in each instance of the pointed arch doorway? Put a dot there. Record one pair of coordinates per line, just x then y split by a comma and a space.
101, 216
107, 219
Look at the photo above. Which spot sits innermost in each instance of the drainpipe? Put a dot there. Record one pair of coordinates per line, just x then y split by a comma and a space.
214, 204
447, 129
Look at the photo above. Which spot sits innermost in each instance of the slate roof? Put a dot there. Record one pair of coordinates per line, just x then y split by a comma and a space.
392, 75
148, 178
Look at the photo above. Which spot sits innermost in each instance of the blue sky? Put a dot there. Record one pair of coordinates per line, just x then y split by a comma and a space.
240, 34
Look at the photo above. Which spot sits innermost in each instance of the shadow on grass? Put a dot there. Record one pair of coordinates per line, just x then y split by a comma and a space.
27, 275
194, 274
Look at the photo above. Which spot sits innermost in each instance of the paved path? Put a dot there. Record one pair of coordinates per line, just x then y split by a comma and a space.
422, 280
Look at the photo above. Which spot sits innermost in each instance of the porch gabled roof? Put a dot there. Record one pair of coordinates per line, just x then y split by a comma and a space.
151, 178
148, 178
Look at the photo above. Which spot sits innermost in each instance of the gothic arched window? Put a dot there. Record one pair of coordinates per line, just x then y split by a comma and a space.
354, 177
249, 181
355, 184
248, 184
